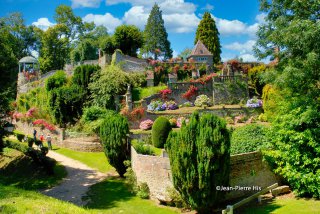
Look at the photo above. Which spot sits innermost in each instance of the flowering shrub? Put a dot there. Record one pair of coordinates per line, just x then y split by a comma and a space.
134, 115
171, 105
192, 91
30, 112
204, 79
254, 103
18, 115
202, 100
146, 124
44, 124
180, 121
156, 105
164, 93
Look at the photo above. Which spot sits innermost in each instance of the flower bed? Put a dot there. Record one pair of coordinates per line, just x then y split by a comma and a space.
162, 106
254, 103
43, 124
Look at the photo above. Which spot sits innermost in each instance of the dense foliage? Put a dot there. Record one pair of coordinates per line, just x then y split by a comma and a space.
248, 138
291, 34
160, 131
208, 34
156, 37
113, 134
57, 80
128, 39
66, 104
82, 76
200, 160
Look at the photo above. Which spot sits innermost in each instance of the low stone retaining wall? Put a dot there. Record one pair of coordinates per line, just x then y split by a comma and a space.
84, 144
248, 171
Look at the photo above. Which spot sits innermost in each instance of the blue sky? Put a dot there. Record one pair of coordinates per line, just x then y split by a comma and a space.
237, 21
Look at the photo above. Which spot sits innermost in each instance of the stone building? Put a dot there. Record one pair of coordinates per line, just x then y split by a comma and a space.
200, 54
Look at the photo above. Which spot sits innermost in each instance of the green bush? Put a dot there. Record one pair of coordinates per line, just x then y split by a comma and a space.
20, 136
200, 160
160, 131
93, 113
57, 80
66, 104
142, 148
143, 191
248, 138
82, 75
15, 144
137, 80
113, 134
202, 100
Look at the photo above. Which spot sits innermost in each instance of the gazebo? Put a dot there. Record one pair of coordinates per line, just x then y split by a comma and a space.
29, 68
28, 64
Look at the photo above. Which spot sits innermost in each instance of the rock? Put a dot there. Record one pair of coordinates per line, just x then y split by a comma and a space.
280, 190
163, 199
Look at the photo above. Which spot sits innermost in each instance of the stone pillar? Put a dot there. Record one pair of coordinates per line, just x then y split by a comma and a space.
150, 79
117, 102
129, 99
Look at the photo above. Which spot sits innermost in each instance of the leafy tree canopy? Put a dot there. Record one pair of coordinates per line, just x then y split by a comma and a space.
128, 38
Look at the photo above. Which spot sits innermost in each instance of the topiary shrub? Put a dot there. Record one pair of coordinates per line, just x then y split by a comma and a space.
113, 134
160, 131
248, 138
200, 161
202, 100
57, 80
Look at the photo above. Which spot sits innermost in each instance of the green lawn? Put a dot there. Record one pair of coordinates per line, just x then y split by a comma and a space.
96, 160
18, 170
113, 196
284, 206
140, 93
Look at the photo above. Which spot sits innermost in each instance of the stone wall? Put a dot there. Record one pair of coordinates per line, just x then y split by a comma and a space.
129, 64
84, 144
153, 170
247, 170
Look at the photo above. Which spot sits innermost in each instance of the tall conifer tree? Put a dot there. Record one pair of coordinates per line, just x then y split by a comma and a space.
208, 34
156, 37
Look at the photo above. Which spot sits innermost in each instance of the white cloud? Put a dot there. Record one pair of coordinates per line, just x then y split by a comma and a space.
174, 53
181, 23
137, 15
176, 22
234, 27
86, 3
43, 23
107, 20
243, 47
248, 58
260, 18
208, 7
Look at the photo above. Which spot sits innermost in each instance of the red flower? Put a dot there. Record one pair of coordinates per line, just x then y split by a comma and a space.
192, 91
165, 92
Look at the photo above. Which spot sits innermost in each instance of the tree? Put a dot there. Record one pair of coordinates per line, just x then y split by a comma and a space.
106, 84
185, 53
108, 45
65, 16
200, 160
128, 39
113, 134
54, 50
292, 35
155, 36
208, 34
86, 49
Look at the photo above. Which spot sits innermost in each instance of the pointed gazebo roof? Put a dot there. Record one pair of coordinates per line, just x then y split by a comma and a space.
200, 50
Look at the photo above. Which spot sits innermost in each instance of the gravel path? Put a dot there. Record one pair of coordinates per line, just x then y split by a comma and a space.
75, 185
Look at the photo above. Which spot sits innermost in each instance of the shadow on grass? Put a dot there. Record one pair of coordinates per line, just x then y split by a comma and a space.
107, 193
22, 172
267, 206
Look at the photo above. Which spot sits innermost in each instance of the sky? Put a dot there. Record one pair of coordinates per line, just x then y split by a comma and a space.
237, 20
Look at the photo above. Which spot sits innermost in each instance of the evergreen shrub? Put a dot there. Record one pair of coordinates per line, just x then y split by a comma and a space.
200, 161
160, 131
113, 134
57, 80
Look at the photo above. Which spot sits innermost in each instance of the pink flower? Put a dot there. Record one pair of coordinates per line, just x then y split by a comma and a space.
146, 124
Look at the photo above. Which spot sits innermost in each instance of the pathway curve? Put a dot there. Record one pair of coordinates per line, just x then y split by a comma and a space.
76, 184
